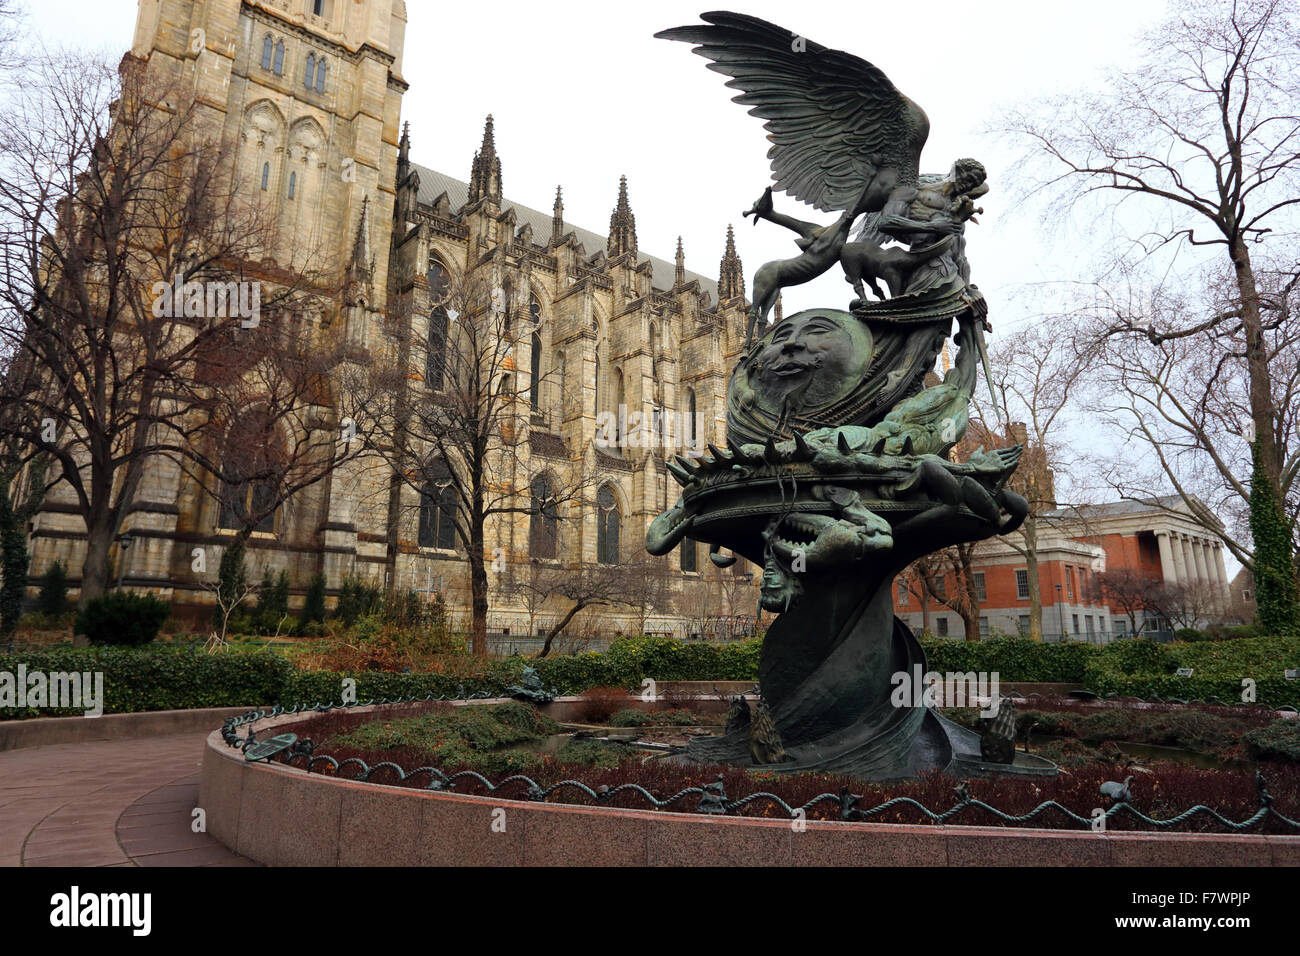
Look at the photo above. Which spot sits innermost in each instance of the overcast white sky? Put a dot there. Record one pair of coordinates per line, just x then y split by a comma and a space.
582, 93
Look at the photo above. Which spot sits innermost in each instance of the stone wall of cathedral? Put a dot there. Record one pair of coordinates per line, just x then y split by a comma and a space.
306, 96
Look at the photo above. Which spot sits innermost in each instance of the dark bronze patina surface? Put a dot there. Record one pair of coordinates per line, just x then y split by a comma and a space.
836, 473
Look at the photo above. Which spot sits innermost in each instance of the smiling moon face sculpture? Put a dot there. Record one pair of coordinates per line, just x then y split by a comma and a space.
802, 368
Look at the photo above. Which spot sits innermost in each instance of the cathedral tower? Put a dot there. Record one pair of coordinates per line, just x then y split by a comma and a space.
306, 94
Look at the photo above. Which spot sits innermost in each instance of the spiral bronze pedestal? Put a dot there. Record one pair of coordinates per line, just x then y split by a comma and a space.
833, 514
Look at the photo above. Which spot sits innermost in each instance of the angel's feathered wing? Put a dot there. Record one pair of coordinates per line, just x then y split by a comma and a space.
833, 118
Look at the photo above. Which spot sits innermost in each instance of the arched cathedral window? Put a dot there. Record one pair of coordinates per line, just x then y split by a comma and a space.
320, 75
438, 509
535, 373
619, 401
252, 463
309, 75
277, 64
607, 526
689, 429
266, 176
267, 50
543, 520
689, 562
435, 359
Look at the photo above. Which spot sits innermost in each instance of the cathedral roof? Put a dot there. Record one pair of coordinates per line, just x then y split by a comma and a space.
433, 184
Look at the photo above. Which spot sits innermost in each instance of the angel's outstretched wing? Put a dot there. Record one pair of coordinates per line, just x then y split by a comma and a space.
833, 119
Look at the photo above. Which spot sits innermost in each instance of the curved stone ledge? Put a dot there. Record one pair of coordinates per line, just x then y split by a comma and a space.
283, 816
46, 731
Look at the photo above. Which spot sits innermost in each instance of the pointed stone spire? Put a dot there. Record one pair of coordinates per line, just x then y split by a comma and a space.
622, 224
361, 257
361, 266
731, 274
679, 279
485, 174
557, 216
778, 309
404, 152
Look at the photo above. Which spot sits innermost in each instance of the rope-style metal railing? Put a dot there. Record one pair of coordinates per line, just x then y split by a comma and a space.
711, 797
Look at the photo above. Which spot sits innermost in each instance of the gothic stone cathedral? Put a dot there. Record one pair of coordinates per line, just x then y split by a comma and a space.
309, 94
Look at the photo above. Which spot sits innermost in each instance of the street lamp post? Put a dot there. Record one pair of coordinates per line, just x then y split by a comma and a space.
125, 541
1060, 610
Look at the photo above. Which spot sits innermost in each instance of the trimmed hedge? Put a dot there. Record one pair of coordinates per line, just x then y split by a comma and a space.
1012, 658
1139, 668
160, 677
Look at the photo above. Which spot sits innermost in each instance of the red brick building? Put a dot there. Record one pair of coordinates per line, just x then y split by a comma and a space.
1158, 539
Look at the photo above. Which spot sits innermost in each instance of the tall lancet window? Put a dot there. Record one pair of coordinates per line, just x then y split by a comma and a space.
607, 526
435, 360
543, 520
535, 373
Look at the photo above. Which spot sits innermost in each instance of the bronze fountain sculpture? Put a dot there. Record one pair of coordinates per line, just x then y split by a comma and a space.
835, 475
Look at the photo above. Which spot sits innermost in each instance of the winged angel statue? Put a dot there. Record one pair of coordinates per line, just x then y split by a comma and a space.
844, 138
837, 473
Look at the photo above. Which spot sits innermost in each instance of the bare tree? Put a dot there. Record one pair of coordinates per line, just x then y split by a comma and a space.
580, 587
647, 587
1187, 401
913, 580
948, 577
448, 413
1204, 136
273, 428
533, 591
720, 603
11, 16
227, 600
1130, 592
1187, 605
115, 206
1035, 375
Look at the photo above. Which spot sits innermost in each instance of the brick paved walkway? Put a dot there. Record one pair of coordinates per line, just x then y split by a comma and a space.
108, 803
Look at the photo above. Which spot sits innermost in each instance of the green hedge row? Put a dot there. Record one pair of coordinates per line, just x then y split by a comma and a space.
1275, 691
1140, 668
158, 677
1011, 658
